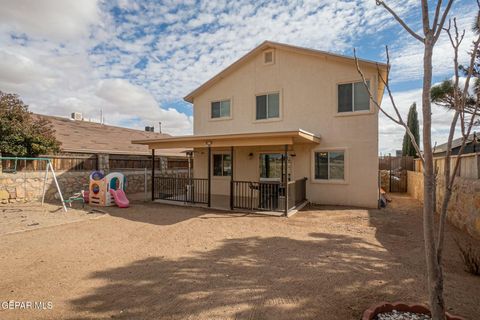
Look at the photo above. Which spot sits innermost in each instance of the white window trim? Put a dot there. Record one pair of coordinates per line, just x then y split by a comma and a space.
371, 109
220, 118
273, 57
280, 107
222, 177
331, 181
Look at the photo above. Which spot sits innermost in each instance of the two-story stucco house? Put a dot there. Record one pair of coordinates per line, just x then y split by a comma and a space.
281, 126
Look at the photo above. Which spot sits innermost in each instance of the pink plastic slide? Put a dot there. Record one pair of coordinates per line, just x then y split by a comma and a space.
120, 198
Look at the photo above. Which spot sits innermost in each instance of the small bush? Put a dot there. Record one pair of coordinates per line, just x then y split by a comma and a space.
470, 257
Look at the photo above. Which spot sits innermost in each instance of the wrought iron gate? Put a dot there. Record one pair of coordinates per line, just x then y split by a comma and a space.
393, 172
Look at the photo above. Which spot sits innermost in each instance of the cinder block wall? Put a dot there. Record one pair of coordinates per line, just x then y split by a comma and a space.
464, 207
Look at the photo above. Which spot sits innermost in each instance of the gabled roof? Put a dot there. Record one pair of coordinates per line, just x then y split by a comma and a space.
80, 136
456, 143
269, 45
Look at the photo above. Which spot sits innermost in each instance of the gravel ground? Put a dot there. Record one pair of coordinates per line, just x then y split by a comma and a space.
399, 315
154, 261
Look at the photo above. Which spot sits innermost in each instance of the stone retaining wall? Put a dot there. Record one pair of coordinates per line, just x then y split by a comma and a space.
464, 207
27, 186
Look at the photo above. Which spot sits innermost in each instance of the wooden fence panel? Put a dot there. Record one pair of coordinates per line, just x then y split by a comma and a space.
90, 163
469, 165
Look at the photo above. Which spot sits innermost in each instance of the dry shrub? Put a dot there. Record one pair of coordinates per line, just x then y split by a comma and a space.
470, 257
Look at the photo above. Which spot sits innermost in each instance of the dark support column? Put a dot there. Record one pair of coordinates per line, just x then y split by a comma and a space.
285, 168
190, 190
231, 178
209, 203
153, 174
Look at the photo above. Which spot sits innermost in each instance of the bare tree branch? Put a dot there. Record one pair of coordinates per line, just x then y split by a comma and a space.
438, 29
437, 15
425, 18
399, 20
399, 119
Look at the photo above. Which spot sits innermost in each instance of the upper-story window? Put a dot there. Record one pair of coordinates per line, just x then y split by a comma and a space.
353, 97
220, 109
268, 106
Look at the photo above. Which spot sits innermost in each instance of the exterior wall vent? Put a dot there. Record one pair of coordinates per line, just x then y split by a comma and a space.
268, 57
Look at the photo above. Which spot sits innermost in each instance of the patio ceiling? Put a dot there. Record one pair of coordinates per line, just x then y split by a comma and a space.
233, 140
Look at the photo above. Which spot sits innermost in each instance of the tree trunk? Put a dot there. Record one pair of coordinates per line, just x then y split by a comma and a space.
435, 281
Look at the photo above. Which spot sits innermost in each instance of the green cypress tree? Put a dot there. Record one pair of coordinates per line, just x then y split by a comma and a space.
412, 123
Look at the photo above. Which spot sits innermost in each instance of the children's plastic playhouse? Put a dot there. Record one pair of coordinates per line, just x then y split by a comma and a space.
107, 190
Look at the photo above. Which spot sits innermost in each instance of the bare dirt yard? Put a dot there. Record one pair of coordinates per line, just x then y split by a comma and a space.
155, 261
21, 217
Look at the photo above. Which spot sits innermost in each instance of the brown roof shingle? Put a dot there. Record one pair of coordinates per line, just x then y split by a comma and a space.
91, 137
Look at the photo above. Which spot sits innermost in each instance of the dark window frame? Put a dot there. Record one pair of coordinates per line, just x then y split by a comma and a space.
352, 102
224, 171
329, 165
220, 116
267, 116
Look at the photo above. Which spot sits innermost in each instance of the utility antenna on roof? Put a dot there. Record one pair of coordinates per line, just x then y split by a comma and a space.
160, 126
101, 116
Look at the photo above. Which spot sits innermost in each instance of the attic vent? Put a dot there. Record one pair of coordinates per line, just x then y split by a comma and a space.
268, 57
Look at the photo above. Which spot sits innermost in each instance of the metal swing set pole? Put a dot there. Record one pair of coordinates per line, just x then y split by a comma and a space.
48, 167
49, 164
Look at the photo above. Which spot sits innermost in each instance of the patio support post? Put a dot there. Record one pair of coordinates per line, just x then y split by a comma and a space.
153, 174
209, 201
231, 178
285, 167
189, 191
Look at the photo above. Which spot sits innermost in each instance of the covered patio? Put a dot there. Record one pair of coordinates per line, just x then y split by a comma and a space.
226, 175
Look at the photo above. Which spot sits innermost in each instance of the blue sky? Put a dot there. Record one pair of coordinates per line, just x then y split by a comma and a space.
135, 60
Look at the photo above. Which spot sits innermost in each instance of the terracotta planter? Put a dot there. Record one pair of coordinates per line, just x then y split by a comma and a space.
382, 307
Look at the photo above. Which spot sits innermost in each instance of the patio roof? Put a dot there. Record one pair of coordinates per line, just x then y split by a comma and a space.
233, 140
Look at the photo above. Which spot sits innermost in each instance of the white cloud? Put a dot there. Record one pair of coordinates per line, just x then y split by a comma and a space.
391, 134
17, 69
407, 52
49, 19
65, 56
121, 98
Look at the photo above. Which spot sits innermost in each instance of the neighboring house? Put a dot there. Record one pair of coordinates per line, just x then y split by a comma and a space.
472, 146
282, 125
89, 145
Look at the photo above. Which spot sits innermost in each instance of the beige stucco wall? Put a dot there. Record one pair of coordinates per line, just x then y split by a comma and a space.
308, 101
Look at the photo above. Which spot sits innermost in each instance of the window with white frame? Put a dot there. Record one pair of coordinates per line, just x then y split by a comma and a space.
220, 109
353, 97
330, 165
222, 165
268, 106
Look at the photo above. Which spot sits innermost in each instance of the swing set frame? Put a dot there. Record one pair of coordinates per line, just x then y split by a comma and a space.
49, 167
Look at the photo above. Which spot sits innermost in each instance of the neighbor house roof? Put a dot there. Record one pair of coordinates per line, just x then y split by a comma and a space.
456, 143
276, 45
81, 136
236, 139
